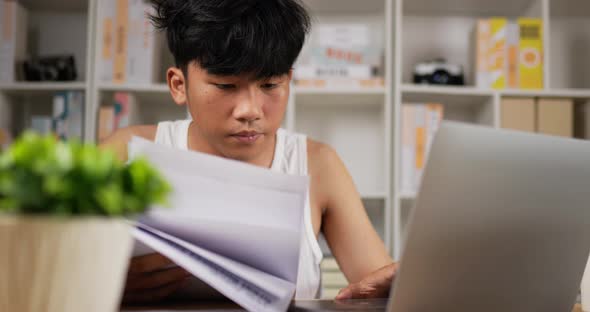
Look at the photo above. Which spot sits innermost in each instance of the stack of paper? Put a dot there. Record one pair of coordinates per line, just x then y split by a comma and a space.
234, 226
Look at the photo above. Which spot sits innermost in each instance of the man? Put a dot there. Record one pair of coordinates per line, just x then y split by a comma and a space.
234, 63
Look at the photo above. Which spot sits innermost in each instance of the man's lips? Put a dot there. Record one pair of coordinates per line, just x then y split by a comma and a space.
247, 136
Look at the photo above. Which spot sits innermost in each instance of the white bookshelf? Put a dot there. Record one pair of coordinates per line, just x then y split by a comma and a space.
52, 27
362, 124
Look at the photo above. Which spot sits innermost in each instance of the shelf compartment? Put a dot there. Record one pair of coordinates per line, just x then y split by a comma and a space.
465, 104
356, 133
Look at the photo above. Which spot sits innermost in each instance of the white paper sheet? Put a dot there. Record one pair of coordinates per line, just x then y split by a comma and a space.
250, 288
242, 217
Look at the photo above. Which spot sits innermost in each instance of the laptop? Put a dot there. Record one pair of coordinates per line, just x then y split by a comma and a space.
501, 223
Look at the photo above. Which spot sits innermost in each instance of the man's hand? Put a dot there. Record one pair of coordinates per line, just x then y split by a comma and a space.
152, 278
376, 285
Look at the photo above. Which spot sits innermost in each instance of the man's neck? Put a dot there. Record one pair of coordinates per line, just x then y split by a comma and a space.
197, 142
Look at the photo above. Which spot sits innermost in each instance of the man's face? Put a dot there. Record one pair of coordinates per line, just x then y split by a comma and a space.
238, 116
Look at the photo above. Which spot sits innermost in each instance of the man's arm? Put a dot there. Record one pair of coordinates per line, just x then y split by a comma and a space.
117, 142
357, 247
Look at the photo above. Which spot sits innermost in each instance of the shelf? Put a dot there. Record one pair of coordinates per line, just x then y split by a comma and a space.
455, 96
374, 196
560, 93
40, 87
136, 88
345, 6
370, 97
343, 90
446, 90
56, 5
456, 92
407, 196
467, 7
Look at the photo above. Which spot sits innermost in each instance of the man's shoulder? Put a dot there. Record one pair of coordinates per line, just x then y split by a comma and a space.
119, 139
320, 155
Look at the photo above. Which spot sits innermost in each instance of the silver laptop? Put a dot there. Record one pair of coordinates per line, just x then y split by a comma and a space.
501, 223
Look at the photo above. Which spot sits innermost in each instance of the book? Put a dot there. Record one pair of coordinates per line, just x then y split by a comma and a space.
130, 46
555, 117
234, 226
518, 114
334, 71
512, 56
68, 116
121, 41
5, 139
420, 122
531, 53
144, 44
13, 43
75, 123
482, 34
497, 58
106, 19
408, 149
124, 104
42, 124
60, 115
346, 44
351, 84
106, 122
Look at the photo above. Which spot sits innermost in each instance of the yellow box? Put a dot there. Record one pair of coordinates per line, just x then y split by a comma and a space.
531, 53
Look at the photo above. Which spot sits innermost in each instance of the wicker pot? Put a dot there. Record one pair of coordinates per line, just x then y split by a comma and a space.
62, 265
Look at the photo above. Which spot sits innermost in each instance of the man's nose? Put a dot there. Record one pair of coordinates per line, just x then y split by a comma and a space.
248, 108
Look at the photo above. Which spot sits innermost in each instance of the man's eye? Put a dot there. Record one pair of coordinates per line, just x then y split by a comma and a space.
223, 86
269, 86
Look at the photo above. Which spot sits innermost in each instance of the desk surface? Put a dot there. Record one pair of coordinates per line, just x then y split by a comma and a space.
218, 307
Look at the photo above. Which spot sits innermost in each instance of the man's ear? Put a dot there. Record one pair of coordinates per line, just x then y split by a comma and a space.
290, 74
177, 84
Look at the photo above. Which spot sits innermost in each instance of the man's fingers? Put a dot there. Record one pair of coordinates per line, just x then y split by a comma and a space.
156, 279
153, 295
148, 263
344, 294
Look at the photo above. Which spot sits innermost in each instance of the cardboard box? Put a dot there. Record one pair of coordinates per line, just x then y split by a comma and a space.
555, 117
106, 122
518, 114
531, 61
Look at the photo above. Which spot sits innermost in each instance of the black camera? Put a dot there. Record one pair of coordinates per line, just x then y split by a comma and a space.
50, 68
438, 72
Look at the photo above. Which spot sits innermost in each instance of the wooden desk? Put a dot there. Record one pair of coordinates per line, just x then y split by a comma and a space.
219, 307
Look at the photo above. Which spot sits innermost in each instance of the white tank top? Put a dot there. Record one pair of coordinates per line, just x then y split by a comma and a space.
290, 157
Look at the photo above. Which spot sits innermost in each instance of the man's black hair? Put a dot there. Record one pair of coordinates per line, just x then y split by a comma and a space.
232, 37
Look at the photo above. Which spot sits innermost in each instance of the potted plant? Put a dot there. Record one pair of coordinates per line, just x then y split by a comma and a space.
65, 241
